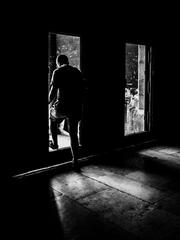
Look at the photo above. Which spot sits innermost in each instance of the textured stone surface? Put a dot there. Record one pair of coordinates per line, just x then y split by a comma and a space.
124, 184
76, 185
157, 224
101, 170
113, 204
169, 150
170, 204
149, 178
79, 222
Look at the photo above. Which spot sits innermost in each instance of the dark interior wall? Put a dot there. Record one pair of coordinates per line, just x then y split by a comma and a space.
166, 88
103, 67
103, 70
108, 84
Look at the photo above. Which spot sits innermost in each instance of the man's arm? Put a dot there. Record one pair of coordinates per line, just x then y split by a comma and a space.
53, 91
52, 94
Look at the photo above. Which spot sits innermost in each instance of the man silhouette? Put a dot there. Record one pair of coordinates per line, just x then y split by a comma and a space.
65, 99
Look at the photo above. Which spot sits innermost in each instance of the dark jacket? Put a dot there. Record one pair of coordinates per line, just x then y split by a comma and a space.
68, 83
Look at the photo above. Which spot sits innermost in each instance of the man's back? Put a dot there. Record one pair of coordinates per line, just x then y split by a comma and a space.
68, 80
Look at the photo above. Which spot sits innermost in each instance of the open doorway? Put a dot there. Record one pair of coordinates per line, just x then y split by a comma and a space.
137, 98
70, 46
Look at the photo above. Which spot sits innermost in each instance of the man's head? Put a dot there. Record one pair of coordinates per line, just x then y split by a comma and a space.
62, 59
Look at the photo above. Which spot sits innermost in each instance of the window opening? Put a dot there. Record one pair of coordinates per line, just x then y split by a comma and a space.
136, 96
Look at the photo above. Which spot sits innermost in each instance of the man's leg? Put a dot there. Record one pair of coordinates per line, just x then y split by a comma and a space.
73, 132
54, 131
61, 128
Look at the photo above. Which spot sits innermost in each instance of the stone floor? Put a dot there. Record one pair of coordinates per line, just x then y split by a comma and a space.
127, 196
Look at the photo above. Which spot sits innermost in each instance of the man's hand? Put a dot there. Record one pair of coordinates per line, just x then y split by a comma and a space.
50, 104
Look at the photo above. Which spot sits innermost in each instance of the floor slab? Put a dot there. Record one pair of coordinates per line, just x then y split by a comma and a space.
129, 186
158, 224
170, 204
76, 186
116, 206
151, 179
79, 222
